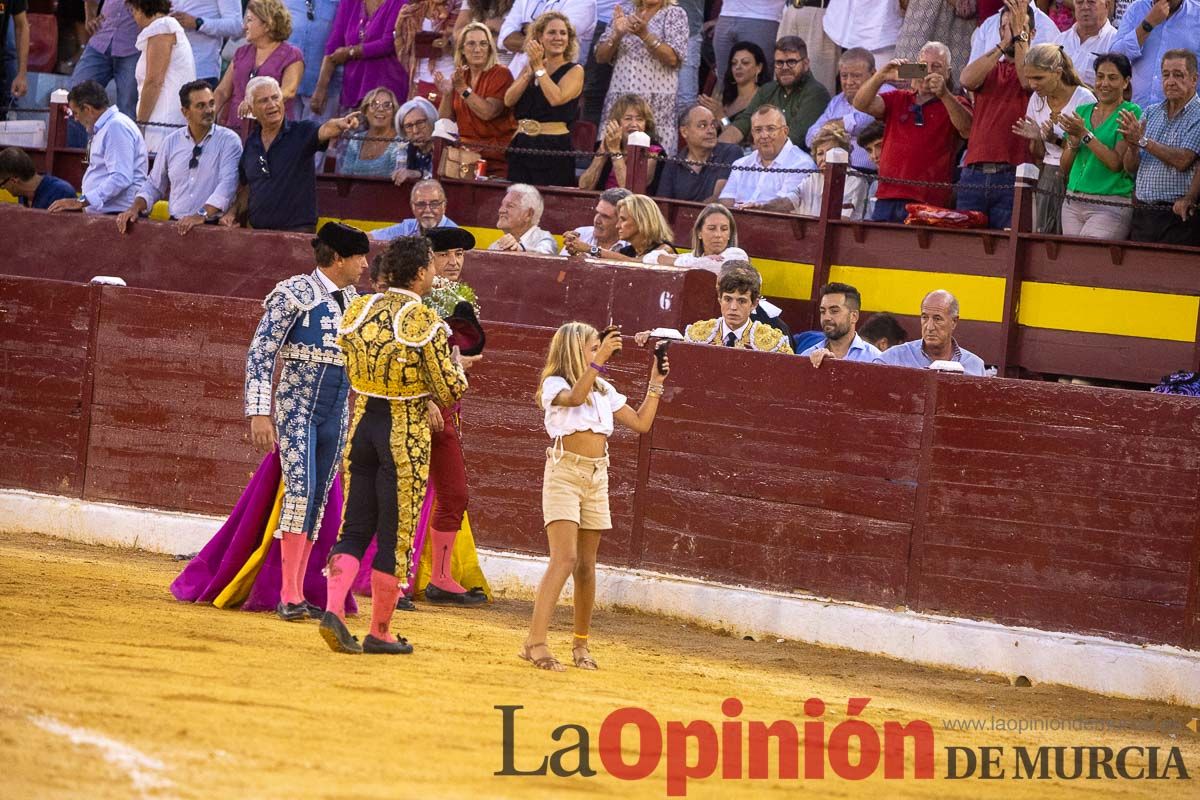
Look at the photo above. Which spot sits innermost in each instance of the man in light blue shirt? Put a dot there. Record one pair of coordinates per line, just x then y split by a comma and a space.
208, 23
939, 318
117, 157
196, 168
839, 309
854, 67
428, 201
1148, 30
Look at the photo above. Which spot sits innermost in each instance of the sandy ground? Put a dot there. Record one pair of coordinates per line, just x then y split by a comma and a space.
110, 688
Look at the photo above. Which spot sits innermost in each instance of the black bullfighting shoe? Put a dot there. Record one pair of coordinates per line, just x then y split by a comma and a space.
405, 604
290, 612
337, 635
374, 646
314, 611
441, 597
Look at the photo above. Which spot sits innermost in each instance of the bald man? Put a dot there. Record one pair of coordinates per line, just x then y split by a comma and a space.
939, 318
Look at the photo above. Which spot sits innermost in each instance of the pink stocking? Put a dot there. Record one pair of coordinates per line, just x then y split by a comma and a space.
291, 553
443, 547
385, 590
341, 571
302, 566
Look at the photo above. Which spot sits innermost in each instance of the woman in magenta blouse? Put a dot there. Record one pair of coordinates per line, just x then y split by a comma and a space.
361, 39
266, 52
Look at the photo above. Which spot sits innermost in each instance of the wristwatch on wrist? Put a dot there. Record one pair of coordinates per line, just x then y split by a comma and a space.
724, 122
1147, 27
594, 251
83, 201
1023, 36
466, 93
1087, 137
199, 22
537, 73
1142, 142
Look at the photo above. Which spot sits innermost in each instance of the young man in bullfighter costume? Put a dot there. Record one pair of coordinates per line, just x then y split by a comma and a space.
398, 357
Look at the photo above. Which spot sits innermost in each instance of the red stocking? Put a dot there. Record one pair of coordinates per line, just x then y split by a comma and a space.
443, 547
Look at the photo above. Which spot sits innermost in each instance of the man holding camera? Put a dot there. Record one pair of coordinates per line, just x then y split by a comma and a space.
925, 124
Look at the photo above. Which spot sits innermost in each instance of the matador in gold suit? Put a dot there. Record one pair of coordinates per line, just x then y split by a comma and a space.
397, 358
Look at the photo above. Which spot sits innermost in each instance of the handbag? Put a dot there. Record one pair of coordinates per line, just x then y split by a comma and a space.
458, 162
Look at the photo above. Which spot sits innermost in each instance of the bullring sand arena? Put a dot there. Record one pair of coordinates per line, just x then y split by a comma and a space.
111, 689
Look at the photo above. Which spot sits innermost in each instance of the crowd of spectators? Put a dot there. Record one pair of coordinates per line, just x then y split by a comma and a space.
1100, 96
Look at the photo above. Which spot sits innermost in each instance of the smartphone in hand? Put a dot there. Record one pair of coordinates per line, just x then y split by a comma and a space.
612, 329
910, 71
660, 355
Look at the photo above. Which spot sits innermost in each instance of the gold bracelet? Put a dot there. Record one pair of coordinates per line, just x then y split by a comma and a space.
654, 390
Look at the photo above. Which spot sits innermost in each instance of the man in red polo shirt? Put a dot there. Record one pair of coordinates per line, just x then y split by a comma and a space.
1001, 97
924, 127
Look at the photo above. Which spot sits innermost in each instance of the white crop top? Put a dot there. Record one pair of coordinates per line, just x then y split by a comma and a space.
595, 415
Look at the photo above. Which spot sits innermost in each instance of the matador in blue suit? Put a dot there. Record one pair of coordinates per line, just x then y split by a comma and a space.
299, 328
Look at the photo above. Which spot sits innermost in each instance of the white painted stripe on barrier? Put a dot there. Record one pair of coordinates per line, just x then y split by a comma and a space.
1093, 663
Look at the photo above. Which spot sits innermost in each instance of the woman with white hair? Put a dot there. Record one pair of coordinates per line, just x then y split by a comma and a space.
415, 121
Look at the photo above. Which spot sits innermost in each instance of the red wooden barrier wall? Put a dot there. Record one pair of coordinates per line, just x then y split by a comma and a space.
44, 332
524, 289
1057, 507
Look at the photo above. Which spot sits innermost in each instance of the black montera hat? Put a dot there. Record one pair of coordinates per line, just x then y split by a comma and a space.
343, 239
446, 238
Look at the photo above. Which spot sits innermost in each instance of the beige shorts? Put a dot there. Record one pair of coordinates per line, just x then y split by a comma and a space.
576, 489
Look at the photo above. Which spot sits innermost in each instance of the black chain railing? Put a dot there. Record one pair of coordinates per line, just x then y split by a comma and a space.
663, 158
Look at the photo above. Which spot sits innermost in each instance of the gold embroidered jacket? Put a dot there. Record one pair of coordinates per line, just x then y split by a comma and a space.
397, 348
756, 336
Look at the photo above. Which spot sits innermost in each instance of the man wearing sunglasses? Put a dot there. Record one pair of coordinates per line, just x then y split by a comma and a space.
195, 169
794, 91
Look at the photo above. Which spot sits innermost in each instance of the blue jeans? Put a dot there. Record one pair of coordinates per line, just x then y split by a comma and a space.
989, 192
102, 68
689, 76
890, 210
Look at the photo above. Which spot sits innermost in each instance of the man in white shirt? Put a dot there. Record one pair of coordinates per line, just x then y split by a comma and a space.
1091, 35
772, 148
988, 33
519, 215
870, 24
582, 14
589, 240
196, 168
207, 24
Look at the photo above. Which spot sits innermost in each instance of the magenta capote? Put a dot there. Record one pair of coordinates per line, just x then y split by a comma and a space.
724, 749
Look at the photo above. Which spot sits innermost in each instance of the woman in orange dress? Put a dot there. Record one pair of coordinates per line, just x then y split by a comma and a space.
474, 97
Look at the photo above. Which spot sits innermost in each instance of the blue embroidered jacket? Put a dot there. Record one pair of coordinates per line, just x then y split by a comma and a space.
299, 325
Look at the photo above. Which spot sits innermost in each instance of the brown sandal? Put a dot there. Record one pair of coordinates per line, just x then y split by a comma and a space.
547, 662
584, 661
